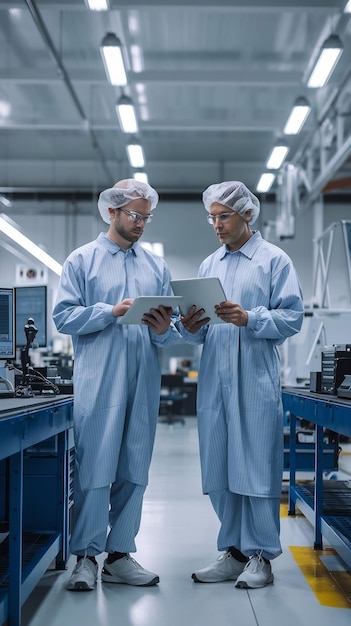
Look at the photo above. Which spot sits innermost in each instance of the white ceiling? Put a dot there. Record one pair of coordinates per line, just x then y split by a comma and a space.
218, 82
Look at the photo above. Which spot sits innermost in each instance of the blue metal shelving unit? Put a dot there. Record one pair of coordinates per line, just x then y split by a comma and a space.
326, 503
35, 504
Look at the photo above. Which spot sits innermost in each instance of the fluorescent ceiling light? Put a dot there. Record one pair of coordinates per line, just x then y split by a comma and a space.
265, 183
5, 201
133, 23
135, 155
97, 5
29, 246
141, 177
5, 108
328, 57
126, 115
297, 117
347, 8
137, 58
277, 157
111, 51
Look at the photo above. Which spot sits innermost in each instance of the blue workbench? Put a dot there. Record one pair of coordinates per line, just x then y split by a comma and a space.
35, 494
326, 503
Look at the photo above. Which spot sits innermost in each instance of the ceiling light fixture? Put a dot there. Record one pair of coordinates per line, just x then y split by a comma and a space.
328, 57
97, 5
297, 117
277, 157
126, 115
5, 201
137, 58
136, 154
141, 177
347, 8
29, 246
265, 183
111, 52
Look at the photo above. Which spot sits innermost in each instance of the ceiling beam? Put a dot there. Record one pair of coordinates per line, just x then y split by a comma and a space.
59, 164
84, 198
233, 5
188, 126
247, 77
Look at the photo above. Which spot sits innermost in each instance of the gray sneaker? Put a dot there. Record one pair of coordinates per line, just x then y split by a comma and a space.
84, 576
257, 573
128, 571
226, 567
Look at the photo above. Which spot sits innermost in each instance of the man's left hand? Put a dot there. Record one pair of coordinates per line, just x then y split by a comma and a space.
158, 319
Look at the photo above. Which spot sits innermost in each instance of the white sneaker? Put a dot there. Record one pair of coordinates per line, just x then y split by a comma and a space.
84, 576
226, 567
257, 573
127, 570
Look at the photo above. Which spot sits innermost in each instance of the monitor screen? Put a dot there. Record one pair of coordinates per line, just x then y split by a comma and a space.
31, 302
7, 323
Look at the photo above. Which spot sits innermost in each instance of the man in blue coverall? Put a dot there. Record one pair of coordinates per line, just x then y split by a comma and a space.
117, 379
239, 408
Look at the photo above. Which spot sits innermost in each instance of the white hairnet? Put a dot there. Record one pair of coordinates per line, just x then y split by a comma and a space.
234, 195
122, 193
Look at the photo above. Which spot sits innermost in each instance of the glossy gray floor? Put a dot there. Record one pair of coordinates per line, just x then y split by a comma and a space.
178, 535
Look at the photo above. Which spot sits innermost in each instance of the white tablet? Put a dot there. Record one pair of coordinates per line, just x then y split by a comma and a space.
204, 292
143, 304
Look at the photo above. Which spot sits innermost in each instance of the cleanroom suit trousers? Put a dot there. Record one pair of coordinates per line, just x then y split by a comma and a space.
249, 523
119, 506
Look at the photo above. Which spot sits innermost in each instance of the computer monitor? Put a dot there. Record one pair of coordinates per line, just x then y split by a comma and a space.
31, 302
7, 323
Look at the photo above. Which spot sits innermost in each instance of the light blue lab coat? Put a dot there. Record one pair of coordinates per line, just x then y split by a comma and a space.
239, 407
116, 366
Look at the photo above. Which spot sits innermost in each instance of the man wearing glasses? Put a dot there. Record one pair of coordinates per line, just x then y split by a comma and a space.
116, 383
239, 408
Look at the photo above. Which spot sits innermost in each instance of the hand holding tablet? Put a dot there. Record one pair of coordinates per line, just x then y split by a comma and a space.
143, 304
204, 292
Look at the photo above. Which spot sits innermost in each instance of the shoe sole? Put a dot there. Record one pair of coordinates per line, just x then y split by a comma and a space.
107, 578
80, 586
197, 580
242, 584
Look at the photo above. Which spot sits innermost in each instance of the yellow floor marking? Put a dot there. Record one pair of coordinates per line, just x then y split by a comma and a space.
331, 588
284, 508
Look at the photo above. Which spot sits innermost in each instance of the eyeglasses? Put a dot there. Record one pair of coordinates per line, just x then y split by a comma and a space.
222, 217
136, 217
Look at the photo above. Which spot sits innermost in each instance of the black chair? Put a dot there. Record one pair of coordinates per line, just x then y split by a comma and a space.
171, 405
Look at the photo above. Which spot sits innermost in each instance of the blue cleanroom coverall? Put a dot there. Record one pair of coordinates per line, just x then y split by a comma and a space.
116, 366
239, 408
